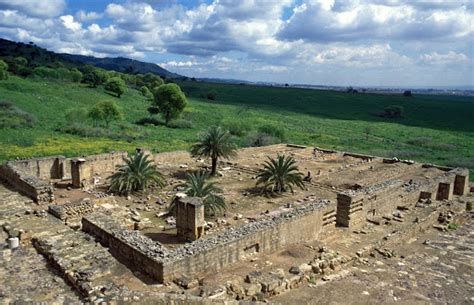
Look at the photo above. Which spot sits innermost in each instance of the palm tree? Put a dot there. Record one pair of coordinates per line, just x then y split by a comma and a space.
137, 174
280, 174
196, 186
215, 143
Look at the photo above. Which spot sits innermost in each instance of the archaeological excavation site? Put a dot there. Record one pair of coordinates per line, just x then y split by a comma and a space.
361, 230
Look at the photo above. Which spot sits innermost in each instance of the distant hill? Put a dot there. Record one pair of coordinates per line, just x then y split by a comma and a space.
122, 64
41, 56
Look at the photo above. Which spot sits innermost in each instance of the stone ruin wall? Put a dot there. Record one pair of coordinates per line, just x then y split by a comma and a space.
30, 186
33, 177
212, 253
354, 207
46, 168
102, 163
72, 210
263, 236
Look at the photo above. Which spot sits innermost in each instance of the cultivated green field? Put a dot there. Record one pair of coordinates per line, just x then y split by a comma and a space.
438, 129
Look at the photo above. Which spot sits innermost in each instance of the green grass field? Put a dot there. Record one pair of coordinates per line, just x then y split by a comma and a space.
438, 129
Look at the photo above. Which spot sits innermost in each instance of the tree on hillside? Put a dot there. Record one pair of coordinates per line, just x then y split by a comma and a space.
105, 111
116, 85
146, 92
136, 174
21, 61
92, 79
393, 111
215, 143
170, 100
280, 174
197, 186
3, 70
75, 75
152, 81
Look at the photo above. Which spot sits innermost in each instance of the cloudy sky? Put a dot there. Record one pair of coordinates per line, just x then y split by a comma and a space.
328, 42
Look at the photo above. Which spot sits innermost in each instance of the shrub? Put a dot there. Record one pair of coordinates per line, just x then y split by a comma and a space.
23, 142
273, 130
237, 128
152, 110
146, 92
462, 162
279, 175
137, 174
261, 139
13, 117
393, 111
180, 123
3, 70
197, 186
453, 226
76, 115
212, 95
421, 141
150, 121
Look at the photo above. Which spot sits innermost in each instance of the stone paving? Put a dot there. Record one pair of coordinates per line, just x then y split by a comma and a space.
25, 275
435, 268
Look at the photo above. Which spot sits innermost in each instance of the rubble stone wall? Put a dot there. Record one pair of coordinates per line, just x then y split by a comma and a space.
129, 247
97, 165
211, 253
46, 168
30, 186
251, 240
72, 210
354, 207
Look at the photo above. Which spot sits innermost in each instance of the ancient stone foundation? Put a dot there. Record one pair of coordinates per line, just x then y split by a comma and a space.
213, 253
354, 208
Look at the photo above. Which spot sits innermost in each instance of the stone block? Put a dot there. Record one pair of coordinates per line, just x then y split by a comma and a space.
253, 289
445, 191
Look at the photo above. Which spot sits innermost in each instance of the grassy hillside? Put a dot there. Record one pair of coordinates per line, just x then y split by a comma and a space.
436, 129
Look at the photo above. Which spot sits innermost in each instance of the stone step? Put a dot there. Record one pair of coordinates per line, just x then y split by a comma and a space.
85, 264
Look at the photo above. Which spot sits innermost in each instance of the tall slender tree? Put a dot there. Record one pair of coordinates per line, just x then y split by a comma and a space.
215, 143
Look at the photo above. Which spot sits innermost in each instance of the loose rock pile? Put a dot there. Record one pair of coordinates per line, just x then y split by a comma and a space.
73, 209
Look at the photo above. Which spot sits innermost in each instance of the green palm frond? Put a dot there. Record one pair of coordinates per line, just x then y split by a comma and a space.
215, 143
136, 174
197, 186
280, 174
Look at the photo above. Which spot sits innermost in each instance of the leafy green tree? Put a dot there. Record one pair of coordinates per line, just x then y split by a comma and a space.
76, 115
95, 114
152, 80
116, 85
105, 111
394, 111
76, 75
153, 110
3, 70
92, 79
21, 61
146, 92
136, 174
215, 143
280, 174
196, 186
170, 100
45, 72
